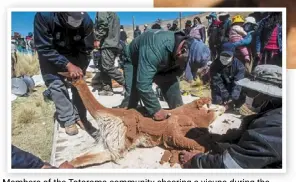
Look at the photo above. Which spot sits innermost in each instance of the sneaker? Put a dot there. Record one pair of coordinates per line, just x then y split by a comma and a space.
71, 130
105, 93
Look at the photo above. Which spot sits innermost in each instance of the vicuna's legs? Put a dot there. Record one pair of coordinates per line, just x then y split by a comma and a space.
91, 158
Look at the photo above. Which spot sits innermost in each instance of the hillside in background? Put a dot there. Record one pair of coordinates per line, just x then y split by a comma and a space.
202, 16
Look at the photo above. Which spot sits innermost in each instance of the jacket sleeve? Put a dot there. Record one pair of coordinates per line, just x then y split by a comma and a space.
44, 42
204, 161
260, 146
245, 41
203, 34
219, 85
147, 69
240, 72
101, 25
258, 35
24, 160
89, 36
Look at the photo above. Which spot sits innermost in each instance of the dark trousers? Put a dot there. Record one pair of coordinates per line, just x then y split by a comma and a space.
271, 57
107, 68
68, 111
170, 88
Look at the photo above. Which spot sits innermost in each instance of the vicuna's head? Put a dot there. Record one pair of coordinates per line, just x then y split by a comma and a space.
208, 112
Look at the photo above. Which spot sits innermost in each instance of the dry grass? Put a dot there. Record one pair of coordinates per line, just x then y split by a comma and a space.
32, 124
196, 89
26, 65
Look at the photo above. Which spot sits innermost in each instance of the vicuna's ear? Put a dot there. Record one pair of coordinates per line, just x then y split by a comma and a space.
65, 74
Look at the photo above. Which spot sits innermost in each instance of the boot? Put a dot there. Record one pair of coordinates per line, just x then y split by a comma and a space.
71, 130
107, 91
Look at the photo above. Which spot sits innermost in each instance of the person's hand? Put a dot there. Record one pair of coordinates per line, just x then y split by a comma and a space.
97, 44
75, 71
161, 115
185, 158
66, 165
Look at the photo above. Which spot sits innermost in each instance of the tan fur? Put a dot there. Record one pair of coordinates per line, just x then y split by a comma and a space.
120, 130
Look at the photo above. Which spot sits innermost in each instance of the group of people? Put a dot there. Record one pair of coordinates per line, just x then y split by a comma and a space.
65, 41
21, 44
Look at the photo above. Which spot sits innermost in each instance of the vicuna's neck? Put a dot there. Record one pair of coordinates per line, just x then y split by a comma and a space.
88, 99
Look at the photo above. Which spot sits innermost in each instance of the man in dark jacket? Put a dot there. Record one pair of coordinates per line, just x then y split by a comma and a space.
107, 35
225, 71
258, 143
175, 26
123, 35
188, 26
225, 27
161, 57
137, 32
157, 24
64, 41
25, 160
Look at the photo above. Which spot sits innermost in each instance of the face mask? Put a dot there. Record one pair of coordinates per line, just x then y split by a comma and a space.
248, 27
74, 23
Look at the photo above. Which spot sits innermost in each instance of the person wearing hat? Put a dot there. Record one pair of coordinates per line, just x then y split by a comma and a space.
236, 34
224, 72
211, 17
137, 32
157, 24
214, 31
64, 41
225, 27
188, 26
145, 27
161, 57
250, 26
107, 40
198, 31
175, 26
269, 39
258, 142
123, 35
169, 26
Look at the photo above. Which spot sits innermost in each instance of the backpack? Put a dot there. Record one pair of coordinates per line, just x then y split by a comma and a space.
195, 31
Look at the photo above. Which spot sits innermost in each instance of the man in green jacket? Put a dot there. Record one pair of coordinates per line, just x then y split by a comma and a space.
107, 36
161, 57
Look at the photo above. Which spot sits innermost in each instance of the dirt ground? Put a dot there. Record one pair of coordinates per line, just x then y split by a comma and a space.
32, 124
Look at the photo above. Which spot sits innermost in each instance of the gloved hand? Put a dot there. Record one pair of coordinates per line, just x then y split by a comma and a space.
161, 115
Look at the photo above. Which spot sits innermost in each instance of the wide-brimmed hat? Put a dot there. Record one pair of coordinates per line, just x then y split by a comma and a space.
251, 20
266, 79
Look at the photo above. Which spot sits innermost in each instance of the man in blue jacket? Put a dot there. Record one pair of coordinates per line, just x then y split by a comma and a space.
258, 142
225, 71
64, 41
